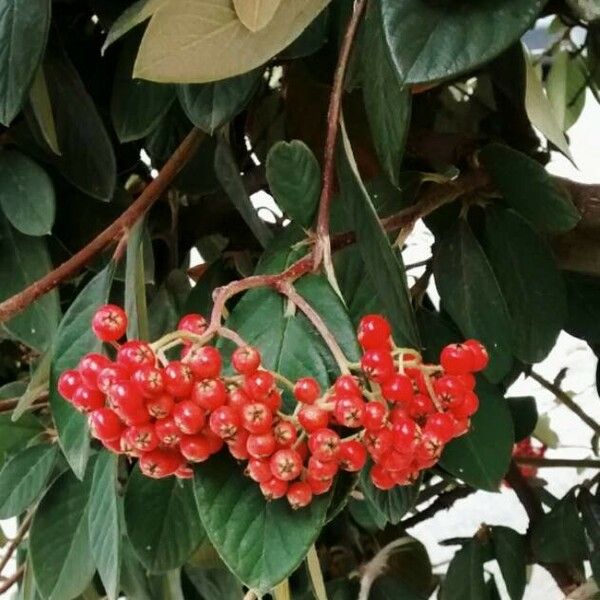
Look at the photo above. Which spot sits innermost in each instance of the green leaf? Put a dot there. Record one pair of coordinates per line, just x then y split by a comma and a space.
59, 544
23, 478
131, 17
387, 103
529, 189
385, 266
41, 108
210, 105
583, 301
40, 377
261, 542
464, 579
23, 260
26, 194
134, 581
74, 339
386, 587
228, 174
481, 457
103, 522
135, 284
530, 282
136, 105
23, 29
440, 40
216, 584
168, 303
559, 535
14, 436
162, 521
524, 414
255, 14
590, 512
294, 178
471, 295
511, 553
566, 87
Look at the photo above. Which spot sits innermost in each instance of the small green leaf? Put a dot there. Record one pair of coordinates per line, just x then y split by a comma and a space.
23, 478
464, 580
162, 521
261, 542
529, 189
26, 194
103, 522
135, 284
511, 553
74, 339
131, 17
524, 415
294, 178
14, 436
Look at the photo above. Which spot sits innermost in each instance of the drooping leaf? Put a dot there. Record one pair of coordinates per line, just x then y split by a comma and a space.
26, 194
23, 30
530, 283
565, 86
59, 543
23, 478
436, 40
294, 178
41, 108
466, 284
255, 14
162, 521
464, 579
197, 41
211, 105
529, 189
14, 436
511, 553
135, 284
104, 521
524, 415
481, 457
583, 302
261, 542
74, 339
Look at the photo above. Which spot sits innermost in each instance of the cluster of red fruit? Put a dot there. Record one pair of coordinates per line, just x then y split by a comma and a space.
526, 449
171, 413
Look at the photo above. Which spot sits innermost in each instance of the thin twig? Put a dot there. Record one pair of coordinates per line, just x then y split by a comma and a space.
14, 543
7, 583
443, 502
587, 463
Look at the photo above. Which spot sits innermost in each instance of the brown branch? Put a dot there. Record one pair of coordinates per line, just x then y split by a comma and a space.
541, 463
7, 583
11, 403
14, 305
14, 543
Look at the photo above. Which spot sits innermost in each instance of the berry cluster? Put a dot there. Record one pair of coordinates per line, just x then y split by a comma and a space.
526, 449
172, 413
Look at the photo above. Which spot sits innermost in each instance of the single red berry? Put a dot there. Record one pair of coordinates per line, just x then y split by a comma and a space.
398, 413
375, 416
194, 323
274, 488
209, 393
406, 476
441, 425
285, 434
350, 411
86, 400
261, 445
457, 359
189, 417
256, 417
259, 384
395, 461
318, 486
127, 400
461, 426
299, 494
352, 455
160, 463
135, 354
224, 422
468, 381
420, 407
68, 382
324, 444
322, 469
418, 380
149, 381
105, 424
307, 390
398, 388
377, 365
237, 398
449, 389
90, 366
286, 464
273, 400
142, 437
312, 418
428, 451
178, 379
259, 470
238, 445
168, 433
378, 443
204, 361
481, 357
110, 375
405, 434
195, 448
109, 323
382, 478
184, 472
374, 331
215, 442
161, 406
346, 385
245, 360
125, 446
468, 406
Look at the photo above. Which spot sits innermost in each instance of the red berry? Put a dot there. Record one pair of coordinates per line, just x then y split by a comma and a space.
395, 461
307, 390
195, 448
480, 354
178, 379
346, 385
109, 323
215, 442
350, 411
68, 382
274, 488
184, 472
286, 464
405, 434
449, 389
299, 494
135, 354
245, 360
142, 437
256, 417
377, 365
420, 407
468, 406
285, 434
237, 398
457, 359
209, 393
428, 451
378, 443
312, 418
113, 445
110, 375
375, 416
189, 417
87, 400
324, 444
441, 425
318, 486
149, 381
382, 478
194, 323
224, 422
374, 332
398, 388
160, 463
259, 470
90, 366
320, 469
204, 361
128, 402
259, 384
238, 445
168, 433
273, 400
261, 445
467, 380
352, 455
161, 406
105, 424
461, 426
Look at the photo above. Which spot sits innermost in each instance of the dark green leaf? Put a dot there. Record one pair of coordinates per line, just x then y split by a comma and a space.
74, 339
529, 189
200, 298
481, 457
135, 284
436, 332
41, 110
26, 194
167, 305
530, 282
23, 30
215, 584
471, 295
383, 264
583, 301
134, 580
590, 511
464, 580
294, 178
103, 522
59, 543
524, 415
511, 554
23, 478
14, 436
439, 40
310, 40
261, 542
162, 521
210, 105
386, 587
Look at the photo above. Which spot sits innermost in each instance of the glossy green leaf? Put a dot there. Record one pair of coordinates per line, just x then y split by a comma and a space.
74, 339
210, 105
14, 436
467, 284
530, 282
162, 521
511, 553
23, 478
385, 266
216, 584
529, 189
583, 302
481, 457
387, 103
103, 522
59, 544
23, 260
135, 284
26, 194
440, 40
464, 579
23, 29
524, 415
294, 178
131, 17
136, 106
261, 542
